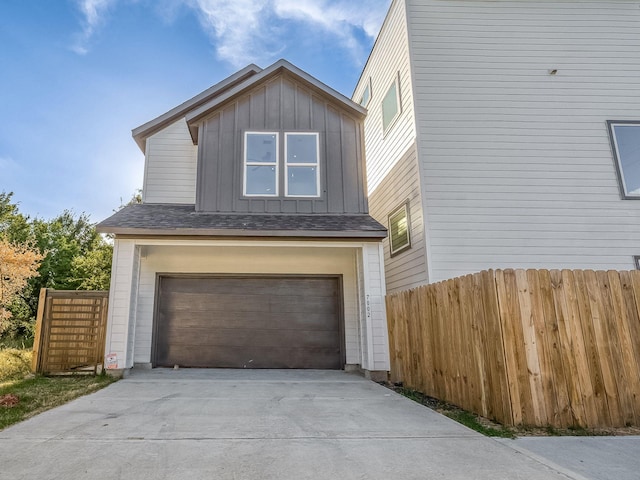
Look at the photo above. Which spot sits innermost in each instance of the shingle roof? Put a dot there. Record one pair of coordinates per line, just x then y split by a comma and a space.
163, 219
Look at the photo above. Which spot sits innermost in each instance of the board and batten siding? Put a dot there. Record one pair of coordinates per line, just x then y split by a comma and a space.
407, 269
281, 105
170, 166
250, 260
389, 60
517, 169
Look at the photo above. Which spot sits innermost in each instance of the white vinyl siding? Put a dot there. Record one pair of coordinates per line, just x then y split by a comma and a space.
389, 61
170, 166
517, 168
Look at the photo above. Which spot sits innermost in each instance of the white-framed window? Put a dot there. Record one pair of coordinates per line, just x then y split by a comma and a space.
399, 229
625, 140
260, 164
366, 95
302, 162
391, 105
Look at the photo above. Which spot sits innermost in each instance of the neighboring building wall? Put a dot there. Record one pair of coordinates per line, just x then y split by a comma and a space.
170, 166
516, 167
409, 268
388, 60
281, 105
260, 258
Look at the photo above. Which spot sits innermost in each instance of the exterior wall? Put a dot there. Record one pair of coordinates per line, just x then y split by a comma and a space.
281, 105
170, 166
158, 256
388, 60
517, 169
374, 333
121, 319
407, 269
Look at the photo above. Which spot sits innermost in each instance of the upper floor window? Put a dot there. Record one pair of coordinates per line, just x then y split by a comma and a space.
391, 105
366, 95
262, 164
625, 138
302, 162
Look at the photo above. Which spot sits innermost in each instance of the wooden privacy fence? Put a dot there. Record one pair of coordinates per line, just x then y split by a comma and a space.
534, 347
70, 331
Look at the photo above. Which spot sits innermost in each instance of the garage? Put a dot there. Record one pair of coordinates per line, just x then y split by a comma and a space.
248, 322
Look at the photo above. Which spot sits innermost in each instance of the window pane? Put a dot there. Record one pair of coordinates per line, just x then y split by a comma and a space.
399, 230
628, 141
302, 149
364, 100
261, 147
390, 105
261, 180
302, 181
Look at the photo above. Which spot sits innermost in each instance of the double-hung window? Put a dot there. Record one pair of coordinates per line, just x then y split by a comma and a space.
302, 155
625, 138
399, 229
261, 164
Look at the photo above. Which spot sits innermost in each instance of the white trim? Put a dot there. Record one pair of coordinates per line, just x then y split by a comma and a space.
307, 164
275, 163
257, 243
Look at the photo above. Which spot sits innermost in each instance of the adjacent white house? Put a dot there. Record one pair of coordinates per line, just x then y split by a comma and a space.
253, 246
503, 134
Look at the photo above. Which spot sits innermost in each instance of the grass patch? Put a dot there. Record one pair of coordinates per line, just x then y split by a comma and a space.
38, 394
468, 419
14, 364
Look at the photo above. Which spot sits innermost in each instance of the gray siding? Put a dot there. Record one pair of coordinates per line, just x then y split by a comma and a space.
517, 170
281, 105
409, 268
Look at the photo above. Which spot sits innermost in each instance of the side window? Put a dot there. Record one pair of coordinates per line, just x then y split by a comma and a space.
302, 165
625, 140
366, 95
261, 164
391, 105
637, 260
399, 229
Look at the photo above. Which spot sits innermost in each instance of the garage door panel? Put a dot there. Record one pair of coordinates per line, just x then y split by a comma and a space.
267, 322
268, 357
256, 286
201, 337
247, 320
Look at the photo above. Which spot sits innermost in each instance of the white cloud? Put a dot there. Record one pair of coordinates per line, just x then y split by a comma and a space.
246, 31
238, 28
93, 12
8, 163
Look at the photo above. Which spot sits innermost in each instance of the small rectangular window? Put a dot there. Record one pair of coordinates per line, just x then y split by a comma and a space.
366, 95
399, 229
302, 165
637, 260
625, 139
391, 105
261, 164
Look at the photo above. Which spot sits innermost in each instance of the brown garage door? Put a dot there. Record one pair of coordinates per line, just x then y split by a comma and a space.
248, 322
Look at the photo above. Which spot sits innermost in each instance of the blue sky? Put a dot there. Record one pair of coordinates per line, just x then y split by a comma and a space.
77, 75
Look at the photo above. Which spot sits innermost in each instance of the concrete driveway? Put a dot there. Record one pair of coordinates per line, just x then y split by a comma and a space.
254, 424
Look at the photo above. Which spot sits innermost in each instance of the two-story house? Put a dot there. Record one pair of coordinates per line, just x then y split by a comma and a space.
504, 134
253, 246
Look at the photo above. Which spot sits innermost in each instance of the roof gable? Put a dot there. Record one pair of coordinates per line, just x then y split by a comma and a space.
141, 133
197, 115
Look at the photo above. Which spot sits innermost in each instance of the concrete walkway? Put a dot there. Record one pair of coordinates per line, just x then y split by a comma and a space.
265, 424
